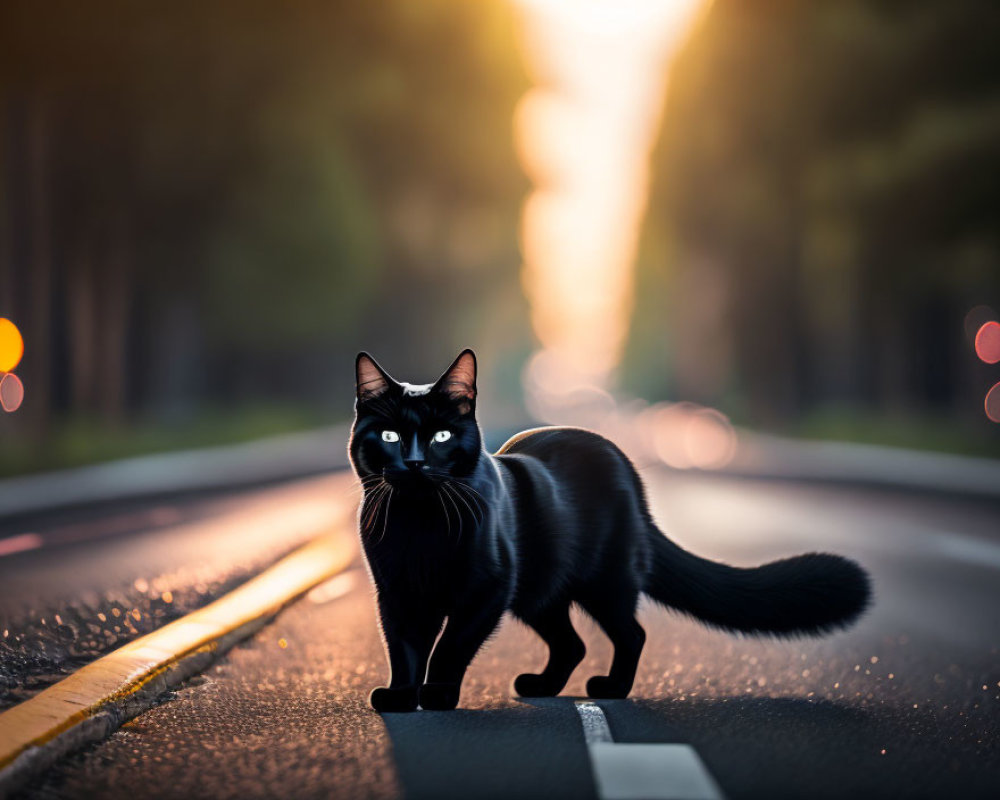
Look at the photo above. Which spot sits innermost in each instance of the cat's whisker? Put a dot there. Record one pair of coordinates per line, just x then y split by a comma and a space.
352, 492
455, 489
354, 487
475, 491
447, 517
458, 512
365, 485
476, 497
380, 508
371, 513
385, 516
450, 492
469, 493
372, 491
367, 515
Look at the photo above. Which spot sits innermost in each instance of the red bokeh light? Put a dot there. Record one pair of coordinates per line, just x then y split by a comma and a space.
988, 342
11, 391
993, 403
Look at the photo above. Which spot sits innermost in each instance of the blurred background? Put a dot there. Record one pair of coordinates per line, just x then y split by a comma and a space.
784, 212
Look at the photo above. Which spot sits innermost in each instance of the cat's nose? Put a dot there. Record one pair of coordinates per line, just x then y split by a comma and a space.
413, 455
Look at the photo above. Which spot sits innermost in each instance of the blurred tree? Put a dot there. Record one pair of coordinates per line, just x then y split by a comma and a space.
219, 202
824, 209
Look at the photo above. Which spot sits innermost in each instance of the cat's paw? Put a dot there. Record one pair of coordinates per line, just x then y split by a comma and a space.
439, 696
601, 687
530, 685
384, 699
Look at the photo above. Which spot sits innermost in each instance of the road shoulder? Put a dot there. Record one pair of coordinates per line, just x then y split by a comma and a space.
94, 701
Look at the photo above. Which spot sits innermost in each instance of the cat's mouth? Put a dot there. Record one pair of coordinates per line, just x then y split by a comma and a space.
409, 477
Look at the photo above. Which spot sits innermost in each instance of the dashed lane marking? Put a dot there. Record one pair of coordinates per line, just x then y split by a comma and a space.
595, 724
642, 771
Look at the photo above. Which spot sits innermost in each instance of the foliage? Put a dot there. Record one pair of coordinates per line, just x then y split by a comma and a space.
824, 210
219, 202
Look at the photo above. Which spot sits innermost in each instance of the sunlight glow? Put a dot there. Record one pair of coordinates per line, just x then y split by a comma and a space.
584, 135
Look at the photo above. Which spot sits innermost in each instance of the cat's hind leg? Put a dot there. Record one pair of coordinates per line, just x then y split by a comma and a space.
614, 611
566, 651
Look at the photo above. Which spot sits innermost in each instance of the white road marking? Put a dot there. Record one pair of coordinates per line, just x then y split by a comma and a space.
642, 771
965, 548
595, 724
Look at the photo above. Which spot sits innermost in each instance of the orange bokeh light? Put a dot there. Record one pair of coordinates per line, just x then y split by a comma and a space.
11, 345
988, 342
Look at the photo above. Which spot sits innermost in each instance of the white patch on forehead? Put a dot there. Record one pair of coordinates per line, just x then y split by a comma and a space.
412, 390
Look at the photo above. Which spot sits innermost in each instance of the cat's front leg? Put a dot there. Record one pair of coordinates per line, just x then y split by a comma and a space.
463, 636
408, 641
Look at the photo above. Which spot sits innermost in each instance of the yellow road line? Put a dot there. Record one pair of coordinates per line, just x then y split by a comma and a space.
96, 699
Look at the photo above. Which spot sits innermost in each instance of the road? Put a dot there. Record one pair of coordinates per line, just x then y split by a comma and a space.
905, 704
93, 579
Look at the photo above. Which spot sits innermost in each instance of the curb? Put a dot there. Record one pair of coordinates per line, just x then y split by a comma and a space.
98, 698
277, 458
878, 466
322, 450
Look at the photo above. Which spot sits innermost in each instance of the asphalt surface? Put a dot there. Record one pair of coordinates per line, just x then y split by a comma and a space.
906, 704
100, 577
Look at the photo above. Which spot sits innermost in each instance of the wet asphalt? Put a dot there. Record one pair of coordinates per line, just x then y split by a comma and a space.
106, 575
905, 704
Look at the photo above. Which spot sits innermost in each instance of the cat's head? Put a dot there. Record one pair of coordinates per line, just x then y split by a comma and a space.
415, 435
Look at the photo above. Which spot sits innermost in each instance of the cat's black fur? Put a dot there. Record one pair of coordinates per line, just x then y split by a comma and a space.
557, 516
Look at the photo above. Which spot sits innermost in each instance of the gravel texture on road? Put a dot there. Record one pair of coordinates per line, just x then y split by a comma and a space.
107, 580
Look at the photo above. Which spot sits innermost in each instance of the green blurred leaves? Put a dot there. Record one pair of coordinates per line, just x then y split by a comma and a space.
296, 260
824, 210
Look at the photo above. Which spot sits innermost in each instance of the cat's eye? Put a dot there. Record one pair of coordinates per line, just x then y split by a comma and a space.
390, 436
442, 436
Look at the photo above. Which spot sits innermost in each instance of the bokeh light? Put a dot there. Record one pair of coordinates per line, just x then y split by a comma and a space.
988, 342
993, 403
685, 436
11, 391
11, 345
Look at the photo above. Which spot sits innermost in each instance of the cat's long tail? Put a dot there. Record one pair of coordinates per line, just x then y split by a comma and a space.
809, 594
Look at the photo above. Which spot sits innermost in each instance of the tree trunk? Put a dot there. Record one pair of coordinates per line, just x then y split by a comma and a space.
38, 339
81, 307
114, 320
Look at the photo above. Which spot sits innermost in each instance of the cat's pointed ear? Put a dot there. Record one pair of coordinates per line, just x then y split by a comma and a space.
371, 379
459, 381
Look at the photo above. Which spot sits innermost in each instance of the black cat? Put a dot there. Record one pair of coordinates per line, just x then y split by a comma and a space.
557, 516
